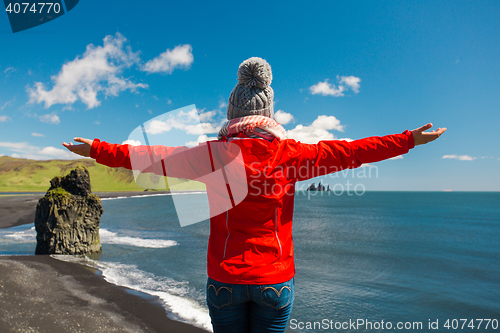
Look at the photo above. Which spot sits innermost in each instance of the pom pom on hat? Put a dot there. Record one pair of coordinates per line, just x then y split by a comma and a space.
255, 72
253, 94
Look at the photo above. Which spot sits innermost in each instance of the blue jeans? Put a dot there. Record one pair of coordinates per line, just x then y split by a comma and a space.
240, 308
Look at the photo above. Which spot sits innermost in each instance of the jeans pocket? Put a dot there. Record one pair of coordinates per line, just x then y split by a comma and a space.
219, 294
277, 295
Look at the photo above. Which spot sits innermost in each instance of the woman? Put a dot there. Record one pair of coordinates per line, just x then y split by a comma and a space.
250, 251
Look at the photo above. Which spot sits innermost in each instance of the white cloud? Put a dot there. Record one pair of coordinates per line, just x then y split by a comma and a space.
352, 82
329, 89
201, 139
97, 71
201, 128
180, 57
158, 127
308, 134
9, 70
460, 157
396, 157
15, 146
192, 115
317, 131
6, 104
4, 119
37, 134
132, 142
282, 117
324, 88
192, 122
26, 150
207, 116
52, 152
200, 123
50, 118
328, 123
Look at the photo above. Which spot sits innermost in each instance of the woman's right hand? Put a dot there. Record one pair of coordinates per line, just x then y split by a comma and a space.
82, 150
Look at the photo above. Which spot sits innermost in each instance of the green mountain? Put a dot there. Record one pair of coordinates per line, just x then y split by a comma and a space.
23, 175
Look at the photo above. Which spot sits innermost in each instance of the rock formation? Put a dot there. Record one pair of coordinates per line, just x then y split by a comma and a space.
67, 217
320, 188
311, 188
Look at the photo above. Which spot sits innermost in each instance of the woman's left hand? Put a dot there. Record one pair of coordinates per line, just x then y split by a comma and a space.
420, 137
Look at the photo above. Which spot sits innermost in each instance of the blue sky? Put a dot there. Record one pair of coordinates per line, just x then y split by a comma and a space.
369, 67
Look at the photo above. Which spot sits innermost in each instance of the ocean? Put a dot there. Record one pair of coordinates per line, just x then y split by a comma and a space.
399, 261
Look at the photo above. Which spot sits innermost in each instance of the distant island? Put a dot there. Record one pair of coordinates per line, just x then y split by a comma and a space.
319, 188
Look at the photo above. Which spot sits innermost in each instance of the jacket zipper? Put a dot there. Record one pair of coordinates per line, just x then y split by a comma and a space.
276, 229
228, 233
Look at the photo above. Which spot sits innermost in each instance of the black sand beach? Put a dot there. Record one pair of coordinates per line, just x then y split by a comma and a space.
17, 209
43, 294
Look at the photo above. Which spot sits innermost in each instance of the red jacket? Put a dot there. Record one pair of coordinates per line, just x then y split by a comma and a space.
251, 235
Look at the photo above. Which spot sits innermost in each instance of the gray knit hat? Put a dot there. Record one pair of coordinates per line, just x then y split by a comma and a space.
252, 95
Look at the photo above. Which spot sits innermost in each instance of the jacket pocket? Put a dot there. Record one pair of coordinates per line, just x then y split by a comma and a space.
219, 294
278, 295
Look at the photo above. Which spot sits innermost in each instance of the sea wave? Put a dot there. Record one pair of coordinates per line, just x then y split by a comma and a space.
108, 237
23, 235
174, 294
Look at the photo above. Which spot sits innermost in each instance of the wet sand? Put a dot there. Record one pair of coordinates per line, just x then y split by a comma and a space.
18, 209
43, 294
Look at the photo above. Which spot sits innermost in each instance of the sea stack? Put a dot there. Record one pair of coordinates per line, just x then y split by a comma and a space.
67, 218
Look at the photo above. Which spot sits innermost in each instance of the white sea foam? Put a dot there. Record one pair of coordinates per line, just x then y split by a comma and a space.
23, 236
108, 237
174, 294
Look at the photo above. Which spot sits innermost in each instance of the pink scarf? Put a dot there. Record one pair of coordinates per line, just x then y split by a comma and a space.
253, 126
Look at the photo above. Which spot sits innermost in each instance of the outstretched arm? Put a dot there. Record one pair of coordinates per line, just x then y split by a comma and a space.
335, 155
178, 162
